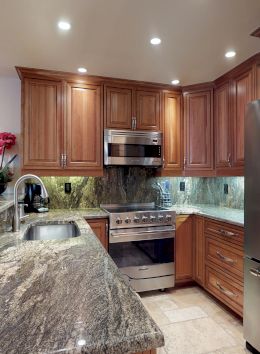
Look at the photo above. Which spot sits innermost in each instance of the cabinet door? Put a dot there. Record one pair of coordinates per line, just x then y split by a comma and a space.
100, 228
243, 94
223, 134
42, 124
199, 250
84, 133
198, 131
148, 110
118, 107
172, 132
184, 248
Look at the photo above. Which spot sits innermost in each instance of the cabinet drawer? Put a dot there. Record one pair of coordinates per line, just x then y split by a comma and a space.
225, 256
225, 289
225, 231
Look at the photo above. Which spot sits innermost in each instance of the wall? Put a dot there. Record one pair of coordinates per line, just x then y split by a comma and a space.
10, 114
126, 185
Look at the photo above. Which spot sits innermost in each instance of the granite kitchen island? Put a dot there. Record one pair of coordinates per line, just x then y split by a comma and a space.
68, 296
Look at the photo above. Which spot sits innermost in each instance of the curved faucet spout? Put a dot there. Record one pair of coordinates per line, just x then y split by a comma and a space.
16, 224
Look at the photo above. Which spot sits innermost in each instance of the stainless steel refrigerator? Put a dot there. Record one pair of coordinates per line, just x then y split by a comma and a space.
252, 227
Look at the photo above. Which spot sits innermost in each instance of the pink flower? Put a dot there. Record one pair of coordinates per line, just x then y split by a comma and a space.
7, 140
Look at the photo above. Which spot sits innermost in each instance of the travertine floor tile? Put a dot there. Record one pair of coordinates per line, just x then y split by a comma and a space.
232, 350
156, 313
216, 331
185, 314
195, 337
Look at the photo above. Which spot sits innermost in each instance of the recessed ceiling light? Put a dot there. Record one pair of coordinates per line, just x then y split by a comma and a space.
230, 54
175, 82
63, 25
155, 41
82, 70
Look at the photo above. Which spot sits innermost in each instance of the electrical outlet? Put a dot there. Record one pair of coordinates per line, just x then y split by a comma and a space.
225, 188
182, 186
67, 188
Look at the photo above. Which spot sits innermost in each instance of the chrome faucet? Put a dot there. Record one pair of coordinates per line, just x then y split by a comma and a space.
17, 221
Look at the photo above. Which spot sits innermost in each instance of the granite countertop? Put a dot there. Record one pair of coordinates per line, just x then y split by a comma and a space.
6, 202
68, 296
234, 216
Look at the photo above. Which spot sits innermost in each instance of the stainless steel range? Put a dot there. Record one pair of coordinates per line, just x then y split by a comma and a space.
142, 244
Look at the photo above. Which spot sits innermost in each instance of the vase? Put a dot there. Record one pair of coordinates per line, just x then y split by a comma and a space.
3, 187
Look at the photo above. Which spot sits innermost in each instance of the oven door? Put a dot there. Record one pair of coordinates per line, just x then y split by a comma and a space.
143, 252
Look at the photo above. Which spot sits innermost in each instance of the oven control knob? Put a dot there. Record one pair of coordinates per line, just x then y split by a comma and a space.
127, 220
144, 219
160, 217
136, 219
168, 217
152, 218
118, 221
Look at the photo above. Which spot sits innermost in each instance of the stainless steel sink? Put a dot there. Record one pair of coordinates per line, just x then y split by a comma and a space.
52, 231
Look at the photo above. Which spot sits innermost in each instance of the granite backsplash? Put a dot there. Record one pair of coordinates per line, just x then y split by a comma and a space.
126, 185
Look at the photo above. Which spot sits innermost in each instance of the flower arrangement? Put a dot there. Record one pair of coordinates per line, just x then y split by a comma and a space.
7, 140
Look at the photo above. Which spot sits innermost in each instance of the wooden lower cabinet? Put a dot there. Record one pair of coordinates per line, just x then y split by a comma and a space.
184, 248
100, 228
199, 250
224, 263
152, 351
224, 287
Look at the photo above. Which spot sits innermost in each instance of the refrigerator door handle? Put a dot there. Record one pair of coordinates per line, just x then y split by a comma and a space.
255, 272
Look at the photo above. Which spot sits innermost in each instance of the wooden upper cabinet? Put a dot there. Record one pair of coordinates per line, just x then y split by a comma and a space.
41, 124
243, 93
223, 133
84, 127
172, 132
118, 107
125, 104
198, 131
148, 110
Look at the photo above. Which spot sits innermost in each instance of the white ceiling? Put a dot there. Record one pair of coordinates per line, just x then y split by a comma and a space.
112, 37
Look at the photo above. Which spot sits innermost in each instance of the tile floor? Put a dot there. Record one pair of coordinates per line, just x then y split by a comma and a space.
194, 323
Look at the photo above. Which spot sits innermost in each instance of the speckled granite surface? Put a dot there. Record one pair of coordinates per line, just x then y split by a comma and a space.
234, 216
68, 296
6, 201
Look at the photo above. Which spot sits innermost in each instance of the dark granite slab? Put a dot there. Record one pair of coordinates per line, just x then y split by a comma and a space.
68, 296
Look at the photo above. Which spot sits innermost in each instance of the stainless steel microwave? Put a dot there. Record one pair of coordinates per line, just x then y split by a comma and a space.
132, 148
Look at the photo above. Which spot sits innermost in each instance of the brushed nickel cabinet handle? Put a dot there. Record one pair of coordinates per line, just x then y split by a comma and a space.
65, 160
62, 160
255, 272
229, 160
134, 123
184, 161
225, 259
227, 233
225, 291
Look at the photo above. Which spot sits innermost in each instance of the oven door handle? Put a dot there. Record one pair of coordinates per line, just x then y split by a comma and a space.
141, 236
